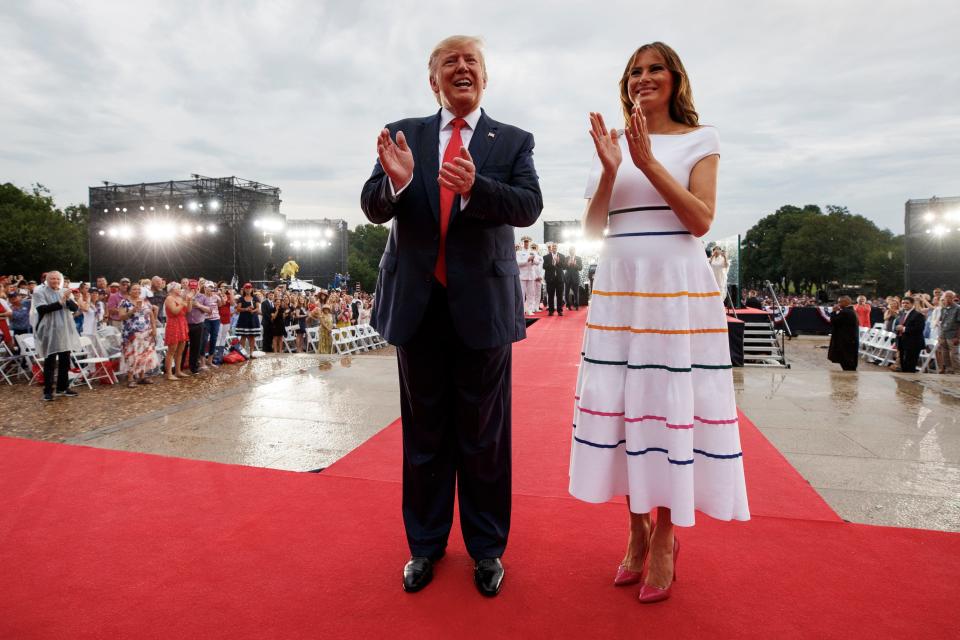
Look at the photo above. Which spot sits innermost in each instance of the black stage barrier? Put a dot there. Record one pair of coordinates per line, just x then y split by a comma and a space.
735, 336
816, 320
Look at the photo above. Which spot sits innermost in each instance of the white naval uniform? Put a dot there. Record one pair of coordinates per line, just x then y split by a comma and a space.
529, 272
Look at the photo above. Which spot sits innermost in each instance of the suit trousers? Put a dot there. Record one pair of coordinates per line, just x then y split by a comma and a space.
571, 293
59, 362
555, 294
946, 355
455, 409
910, 349
531, 295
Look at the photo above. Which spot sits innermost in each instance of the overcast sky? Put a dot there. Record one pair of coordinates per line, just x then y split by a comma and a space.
841, 102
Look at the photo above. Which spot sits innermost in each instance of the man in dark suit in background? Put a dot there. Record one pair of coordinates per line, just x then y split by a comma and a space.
571, 278
553, 264
448, 296
910, 341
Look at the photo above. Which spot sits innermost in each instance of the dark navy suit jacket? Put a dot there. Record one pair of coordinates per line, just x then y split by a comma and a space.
483, 285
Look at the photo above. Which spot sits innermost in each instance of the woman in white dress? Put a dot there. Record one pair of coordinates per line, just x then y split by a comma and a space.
720, 266
655, 417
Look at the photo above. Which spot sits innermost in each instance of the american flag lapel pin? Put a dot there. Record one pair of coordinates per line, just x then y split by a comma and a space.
491, 134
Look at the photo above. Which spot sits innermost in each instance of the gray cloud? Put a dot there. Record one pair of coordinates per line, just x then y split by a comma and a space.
848, 103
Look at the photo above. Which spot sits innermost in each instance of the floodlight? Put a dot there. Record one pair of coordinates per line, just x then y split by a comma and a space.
328, 232
295, 244
153, 208
118, 209
126, 232
928, 216
180, 206
214, 205
153, 230
199, 228
124, 209
186, 229
142, 208
167, 207
112, 232
256, 223
940, 230
212, 228
102, 232
106, 210
193, 205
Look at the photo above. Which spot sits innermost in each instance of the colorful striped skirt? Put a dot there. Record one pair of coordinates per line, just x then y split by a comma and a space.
655, 415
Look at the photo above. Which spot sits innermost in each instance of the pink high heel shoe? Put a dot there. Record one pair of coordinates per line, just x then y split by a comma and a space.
626, 577
649, 593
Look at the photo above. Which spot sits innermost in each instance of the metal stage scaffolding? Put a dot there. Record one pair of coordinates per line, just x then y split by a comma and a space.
218, 228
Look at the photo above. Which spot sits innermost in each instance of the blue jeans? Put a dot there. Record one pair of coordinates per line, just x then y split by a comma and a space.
211, 329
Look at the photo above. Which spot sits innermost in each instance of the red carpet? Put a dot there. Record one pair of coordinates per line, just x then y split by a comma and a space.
102, 544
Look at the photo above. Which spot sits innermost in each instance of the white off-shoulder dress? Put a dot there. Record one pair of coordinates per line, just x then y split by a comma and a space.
655, 415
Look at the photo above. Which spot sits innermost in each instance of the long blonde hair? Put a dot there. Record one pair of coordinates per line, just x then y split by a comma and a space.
681, 98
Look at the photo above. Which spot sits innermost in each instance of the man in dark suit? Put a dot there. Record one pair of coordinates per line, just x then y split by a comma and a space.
844, 335
267, 307
910, 341
571, 278
553, 264
448, 296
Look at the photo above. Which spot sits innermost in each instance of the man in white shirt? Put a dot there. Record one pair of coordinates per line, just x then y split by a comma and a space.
529, 262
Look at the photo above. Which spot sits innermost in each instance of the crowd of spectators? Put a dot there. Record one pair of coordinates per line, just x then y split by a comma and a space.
197, 318
917, 318
793, 300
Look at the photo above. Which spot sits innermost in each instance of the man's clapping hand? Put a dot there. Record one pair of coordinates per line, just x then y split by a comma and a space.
395, 158
459, 175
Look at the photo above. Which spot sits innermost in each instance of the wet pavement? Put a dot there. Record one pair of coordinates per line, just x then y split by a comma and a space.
880, 447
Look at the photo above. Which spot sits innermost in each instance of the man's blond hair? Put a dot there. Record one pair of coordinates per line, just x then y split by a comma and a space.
454, 42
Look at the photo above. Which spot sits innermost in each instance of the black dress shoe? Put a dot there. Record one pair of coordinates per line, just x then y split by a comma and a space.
68, 393
488, 576
417, 574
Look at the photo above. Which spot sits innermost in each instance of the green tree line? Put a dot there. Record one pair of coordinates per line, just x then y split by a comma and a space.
365, 245
38, 237
805, 248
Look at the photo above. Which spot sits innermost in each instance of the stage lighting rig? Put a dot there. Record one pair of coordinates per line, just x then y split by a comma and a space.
931, 243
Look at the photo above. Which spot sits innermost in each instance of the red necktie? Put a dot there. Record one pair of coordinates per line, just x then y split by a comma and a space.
446, 201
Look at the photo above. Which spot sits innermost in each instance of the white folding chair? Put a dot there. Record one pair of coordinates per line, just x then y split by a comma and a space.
928, 357
290, 339
376, 340
10, 365
93, 366
28, 350
342, 341
313, 339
